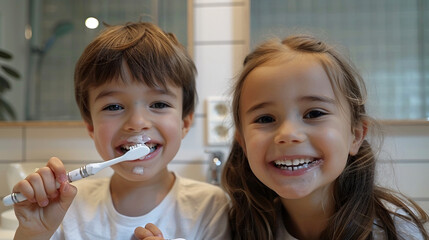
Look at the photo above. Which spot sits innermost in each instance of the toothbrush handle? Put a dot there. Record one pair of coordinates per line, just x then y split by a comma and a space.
72, 176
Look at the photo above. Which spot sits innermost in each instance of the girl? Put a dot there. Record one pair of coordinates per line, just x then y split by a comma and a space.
300, 166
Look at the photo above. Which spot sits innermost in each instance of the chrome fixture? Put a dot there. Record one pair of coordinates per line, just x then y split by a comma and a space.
215, 163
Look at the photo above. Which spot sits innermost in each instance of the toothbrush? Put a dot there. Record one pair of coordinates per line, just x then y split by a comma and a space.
135, 152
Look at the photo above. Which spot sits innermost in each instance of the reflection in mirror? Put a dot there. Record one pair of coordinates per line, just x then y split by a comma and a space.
388, 40
60, 30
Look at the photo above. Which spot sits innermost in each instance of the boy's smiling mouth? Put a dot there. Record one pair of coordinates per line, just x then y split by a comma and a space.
295, 164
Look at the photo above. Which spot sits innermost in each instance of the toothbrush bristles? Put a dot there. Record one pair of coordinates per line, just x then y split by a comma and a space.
136, 146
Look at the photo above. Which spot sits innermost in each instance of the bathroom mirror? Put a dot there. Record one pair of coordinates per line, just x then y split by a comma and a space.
388, 40
56, 32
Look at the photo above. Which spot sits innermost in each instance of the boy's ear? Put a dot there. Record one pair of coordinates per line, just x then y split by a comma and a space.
359, 133
187, 123
90, 129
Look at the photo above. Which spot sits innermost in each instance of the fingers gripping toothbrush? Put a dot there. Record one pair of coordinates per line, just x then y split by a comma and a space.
135, 152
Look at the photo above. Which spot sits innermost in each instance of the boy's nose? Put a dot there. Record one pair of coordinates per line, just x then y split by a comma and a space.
137, 121
289, 132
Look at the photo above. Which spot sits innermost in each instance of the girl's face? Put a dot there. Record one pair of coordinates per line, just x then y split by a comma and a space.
123, 113
295, 134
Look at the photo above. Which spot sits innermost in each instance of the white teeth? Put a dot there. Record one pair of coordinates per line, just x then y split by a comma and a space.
294, 164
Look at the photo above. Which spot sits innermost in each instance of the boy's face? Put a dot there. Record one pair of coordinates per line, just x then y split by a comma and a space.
122, 113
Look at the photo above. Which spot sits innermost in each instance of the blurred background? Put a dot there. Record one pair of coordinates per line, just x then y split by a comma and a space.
386, 39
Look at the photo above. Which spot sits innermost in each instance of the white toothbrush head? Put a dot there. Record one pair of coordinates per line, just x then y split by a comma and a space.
136, 152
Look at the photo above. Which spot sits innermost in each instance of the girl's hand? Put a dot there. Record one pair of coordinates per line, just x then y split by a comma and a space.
40, 216
148, 232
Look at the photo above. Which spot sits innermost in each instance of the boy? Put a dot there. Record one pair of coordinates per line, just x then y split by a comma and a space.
132, 82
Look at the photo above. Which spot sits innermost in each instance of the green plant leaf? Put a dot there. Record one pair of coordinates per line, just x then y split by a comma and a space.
5, 55
4, 84
12, 72
2, 116
7, 108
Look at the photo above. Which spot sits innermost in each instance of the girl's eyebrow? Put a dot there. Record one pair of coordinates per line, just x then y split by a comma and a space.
257, 106
318, 99
310, 98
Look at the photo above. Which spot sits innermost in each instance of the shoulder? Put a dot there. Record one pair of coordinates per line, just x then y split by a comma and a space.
91, 183
193, 188
203, 207
199, 196
92, 190
406, 228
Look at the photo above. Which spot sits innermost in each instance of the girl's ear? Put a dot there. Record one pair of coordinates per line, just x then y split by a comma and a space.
240, 141
359, 132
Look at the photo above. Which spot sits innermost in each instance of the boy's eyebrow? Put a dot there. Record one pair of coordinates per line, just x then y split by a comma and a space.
323, 99
155, 89
164, 91
105, 93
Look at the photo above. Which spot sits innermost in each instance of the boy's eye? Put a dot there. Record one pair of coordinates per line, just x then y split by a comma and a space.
113, 107
314, 114
264, 119
159, 105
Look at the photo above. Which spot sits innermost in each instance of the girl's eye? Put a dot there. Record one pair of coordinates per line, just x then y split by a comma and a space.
314, 114
264, 119
159, 105
113, 107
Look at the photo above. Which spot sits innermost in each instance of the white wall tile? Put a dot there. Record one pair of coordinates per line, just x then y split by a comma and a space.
196, 171
220, 23
70, 144
425, 206
217, 66
409, 178
406, 142
11, 144
192, 148
217, 2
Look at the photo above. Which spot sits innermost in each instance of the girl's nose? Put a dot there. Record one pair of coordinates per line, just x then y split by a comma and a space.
137, 121
290, 132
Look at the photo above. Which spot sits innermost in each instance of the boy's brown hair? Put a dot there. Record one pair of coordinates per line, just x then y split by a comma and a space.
152, 56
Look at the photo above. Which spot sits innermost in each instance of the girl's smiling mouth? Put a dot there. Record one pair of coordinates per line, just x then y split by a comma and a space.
296, 164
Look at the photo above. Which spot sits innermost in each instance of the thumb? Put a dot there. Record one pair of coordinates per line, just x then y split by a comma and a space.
67, 194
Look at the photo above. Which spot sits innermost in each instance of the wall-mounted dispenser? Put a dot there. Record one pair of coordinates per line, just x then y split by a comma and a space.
218, 123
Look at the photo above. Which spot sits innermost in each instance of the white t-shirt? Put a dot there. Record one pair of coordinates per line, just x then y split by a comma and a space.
405, 229
191, 210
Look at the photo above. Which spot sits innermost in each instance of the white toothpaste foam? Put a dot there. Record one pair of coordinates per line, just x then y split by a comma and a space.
139, 139
138, 170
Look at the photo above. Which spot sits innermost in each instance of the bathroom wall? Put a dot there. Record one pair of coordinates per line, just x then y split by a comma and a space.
221, 42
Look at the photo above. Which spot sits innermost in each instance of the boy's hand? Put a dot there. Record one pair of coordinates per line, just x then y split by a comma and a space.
40, 216
148, 232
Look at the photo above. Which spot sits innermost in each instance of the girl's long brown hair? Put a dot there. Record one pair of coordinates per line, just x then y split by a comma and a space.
358, 201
